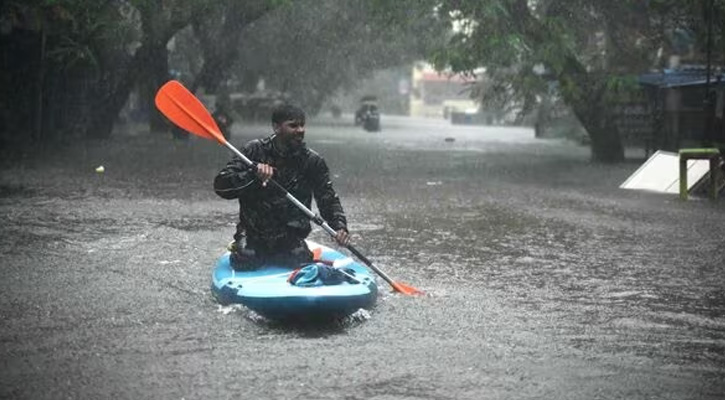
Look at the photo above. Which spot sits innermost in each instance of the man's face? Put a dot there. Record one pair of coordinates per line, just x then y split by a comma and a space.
291, 133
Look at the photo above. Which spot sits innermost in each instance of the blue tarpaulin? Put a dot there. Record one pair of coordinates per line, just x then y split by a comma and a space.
670, 78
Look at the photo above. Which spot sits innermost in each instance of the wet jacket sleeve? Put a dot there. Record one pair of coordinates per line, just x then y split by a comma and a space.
236, 179
327, 200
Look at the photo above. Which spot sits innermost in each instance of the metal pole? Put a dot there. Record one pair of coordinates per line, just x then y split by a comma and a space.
39, 98
709, 103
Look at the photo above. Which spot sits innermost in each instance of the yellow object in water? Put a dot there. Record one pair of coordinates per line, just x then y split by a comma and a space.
100, 169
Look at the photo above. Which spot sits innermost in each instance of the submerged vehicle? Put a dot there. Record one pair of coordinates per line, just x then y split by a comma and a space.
367, 114
277, 292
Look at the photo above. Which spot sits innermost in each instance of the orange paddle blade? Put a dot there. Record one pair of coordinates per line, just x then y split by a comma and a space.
180, 106
405, 289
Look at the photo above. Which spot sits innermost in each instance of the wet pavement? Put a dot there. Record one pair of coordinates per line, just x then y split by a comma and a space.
544, 280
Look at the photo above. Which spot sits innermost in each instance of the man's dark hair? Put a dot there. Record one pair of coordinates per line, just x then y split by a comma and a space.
287, 112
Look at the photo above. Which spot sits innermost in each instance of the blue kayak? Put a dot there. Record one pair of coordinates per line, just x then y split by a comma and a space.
268, 292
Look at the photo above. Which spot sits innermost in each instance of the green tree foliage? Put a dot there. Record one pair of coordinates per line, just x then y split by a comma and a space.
51, 50
588, 48
96, 52
220, 39
86, 56
69, 65
146, 66
313, 47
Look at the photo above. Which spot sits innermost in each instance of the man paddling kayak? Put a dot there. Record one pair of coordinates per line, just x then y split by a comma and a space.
270, 228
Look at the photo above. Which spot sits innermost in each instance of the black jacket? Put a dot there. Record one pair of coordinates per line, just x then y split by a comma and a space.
264, 212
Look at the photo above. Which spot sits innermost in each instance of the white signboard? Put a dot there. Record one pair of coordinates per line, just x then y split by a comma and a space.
661, 173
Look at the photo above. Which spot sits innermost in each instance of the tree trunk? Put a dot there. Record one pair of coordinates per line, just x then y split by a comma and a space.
581, 90
585, 94
111, 93
221, 44
38, 131
153, 60
606, 143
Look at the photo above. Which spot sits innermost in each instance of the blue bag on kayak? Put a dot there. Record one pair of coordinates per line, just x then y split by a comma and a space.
320, 275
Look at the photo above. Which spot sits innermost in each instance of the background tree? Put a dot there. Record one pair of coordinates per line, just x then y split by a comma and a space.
70, 65
95, 53
85, 57
590, 49
51, 51
220, 37
158, 21
314, 47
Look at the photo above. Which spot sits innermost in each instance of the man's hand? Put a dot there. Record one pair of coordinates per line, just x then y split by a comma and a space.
264, 173
342, 237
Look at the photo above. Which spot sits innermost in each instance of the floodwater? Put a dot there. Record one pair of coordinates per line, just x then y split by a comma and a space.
543, 279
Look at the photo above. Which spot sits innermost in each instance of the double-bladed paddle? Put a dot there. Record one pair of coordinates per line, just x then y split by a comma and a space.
180, 106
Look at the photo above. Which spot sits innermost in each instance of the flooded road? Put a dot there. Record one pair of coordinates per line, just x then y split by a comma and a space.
544, 280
